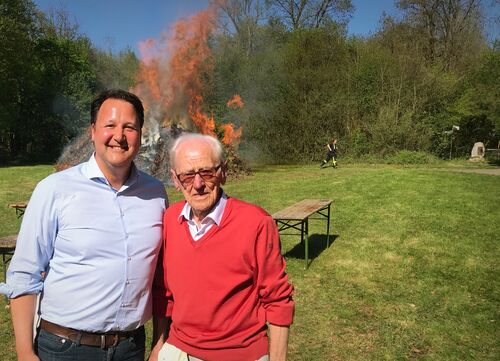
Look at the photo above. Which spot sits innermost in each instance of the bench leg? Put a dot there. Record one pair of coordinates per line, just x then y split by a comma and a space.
4, 269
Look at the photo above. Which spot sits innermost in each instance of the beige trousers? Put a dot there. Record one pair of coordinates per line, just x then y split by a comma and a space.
171, 353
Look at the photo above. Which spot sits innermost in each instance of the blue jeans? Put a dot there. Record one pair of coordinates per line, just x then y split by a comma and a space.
50, 347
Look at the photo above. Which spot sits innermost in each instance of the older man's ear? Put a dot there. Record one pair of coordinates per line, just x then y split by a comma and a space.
223, 173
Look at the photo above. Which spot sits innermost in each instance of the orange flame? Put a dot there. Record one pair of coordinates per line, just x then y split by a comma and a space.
231, 136
173, 72
235, 102
205, 124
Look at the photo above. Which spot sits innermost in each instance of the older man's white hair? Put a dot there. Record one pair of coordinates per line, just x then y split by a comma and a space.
214, 144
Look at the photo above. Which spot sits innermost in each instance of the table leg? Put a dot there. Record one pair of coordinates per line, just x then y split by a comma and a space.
306, 245
302, 232
328, 228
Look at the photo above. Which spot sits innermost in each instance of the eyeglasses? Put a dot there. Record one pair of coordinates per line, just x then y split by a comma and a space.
207, 175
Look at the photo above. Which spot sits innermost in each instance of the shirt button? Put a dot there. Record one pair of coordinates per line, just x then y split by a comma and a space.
127, 282
130, 258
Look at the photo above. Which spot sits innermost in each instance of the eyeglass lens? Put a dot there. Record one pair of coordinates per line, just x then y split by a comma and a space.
205, 174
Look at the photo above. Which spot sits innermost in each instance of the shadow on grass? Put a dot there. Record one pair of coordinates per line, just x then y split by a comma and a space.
16, 163
493, 161
317, 244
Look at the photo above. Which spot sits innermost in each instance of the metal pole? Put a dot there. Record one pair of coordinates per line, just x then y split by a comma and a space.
451, 143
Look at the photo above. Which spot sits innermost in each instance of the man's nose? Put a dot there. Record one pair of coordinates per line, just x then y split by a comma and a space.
198, 182
119, 134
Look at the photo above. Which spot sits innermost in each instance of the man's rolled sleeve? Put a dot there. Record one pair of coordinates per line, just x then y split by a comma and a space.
35, 242
275, 292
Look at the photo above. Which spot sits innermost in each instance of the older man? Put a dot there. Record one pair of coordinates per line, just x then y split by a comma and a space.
94, 230
224, 274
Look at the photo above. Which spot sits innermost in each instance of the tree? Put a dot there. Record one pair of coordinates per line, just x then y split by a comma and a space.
47, 78
452, 29
312, 13
244, 16
18, 36
114, 70
477, 109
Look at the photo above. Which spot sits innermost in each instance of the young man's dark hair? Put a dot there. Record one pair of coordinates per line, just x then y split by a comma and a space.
117, 94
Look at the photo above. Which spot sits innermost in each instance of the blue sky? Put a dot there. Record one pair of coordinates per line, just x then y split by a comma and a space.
116, 24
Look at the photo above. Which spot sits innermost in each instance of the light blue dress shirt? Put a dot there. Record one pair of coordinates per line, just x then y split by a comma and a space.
98, 247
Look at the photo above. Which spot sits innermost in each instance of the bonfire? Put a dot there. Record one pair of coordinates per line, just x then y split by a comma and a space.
170, 84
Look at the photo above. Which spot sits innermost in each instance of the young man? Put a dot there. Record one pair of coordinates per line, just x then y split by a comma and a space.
94, 230
223, 273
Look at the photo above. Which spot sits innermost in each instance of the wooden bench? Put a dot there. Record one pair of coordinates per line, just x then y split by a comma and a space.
7, 247
297, 217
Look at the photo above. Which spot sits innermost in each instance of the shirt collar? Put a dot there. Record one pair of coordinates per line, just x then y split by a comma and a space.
215, 214
92, 171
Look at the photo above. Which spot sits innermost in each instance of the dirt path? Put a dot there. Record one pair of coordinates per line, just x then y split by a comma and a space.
495, 171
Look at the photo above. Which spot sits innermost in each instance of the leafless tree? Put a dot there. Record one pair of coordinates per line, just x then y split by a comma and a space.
311, 13
449, 25
242, 17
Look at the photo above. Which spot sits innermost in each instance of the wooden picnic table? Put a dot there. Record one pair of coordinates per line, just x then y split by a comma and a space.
297, 217
20, 207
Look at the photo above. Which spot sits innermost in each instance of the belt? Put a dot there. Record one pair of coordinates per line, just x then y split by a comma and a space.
103, 340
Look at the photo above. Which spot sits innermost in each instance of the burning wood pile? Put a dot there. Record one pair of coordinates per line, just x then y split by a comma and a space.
171, 85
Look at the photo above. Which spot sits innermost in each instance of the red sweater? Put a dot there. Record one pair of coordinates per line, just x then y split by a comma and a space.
223, 288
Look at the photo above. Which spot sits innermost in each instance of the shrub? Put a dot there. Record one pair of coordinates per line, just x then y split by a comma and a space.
411, 157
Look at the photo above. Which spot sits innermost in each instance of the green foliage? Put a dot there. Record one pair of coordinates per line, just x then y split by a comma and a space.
395, 90
477, 107
114, 71
359, 144
49, 73
47, 80
412, 157
17, 37
287, 86
399, 89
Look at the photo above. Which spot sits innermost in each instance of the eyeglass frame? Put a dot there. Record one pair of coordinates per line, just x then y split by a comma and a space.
214, 171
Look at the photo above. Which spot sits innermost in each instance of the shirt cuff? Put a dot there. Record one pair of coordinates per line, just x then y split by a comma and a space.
13, 291
281, 314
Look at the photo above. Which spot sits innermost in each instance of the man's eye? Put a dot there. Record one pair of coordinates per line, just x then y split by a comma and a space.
205, 172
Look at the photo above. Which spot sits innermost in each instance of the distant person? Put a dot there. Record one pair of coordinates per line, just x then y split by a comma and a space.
95, 231
331, 154
223, 273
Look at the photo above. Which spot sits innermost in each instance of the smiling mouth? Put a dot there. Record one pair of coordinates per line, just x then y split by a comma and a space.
117, 147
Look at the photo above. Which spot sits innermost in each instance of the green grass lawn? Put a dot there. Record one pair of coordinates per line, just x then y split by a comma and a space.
412, 272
